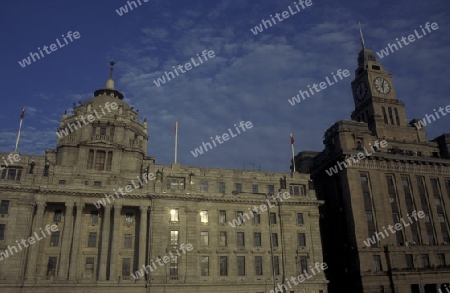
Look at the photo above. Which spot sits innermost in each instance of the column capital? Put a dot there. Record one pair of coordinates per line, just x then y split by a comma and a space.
69, 204
40, 204
144, 209
107, 207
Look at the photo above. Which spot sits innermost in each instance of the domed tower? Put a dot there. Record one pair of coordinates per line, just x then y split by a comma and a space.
102, 134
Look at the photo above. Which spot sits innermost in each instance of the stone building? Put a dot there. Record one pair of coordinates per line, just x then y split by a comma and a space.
367, 191
118, 212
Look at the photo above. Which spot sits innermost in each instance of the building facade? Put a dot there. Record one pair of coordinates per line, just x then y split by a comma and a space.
97, 213
373, 239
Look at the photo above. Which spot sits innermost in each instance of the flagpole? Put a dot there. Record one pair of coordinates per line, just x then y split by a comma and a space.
20, 127
292, 147
176, 141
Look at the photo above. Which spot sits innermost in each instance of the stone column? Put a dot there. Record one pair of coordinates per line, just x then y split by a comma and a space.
142, 238
34, 249
73, 268
105, 242
115, 245
63, 269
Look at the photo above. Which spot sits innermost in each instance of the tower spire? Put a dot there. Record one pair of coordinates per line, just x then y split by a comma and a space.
110, 81
362, 36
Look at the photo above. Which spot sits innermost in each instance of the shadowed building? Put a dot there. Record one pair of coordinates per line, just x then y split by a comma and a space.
365, 195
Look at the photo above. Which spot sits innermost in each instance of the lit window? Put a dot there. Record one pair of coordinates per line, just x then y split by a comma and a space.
174, 236
129, 218
204, 217
174, 215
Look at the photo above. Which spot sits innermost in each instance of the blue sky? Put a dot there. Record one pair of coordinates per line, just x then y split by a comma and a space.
250, 78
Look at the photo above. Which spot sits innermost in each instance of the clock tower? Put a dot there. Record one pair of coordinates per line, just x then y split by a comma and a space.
375, 98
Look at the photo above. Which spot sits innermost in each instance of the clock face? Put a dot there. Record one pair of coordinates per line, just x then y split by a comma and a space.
360, 91
381, 85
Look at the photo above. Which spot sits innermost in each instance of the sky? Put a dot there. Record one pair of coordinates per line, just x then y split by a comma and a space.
250, 78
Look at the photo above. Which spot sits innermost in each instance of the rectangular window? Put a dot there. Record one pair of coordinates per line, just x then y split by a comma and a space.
3, 174
238, 187
62, 182
221, 187
295, 190
94, 217
299, 218
89, 267
256, 239
11, 174
102, 130
111, 131
390, 115
100, 160
204, 218
254, 188
396, 117
128, 241
54, 240
256, 218
222, 238
174, 236
174, 215
223, 266
258, 266
4, 206
441, 218
51, 266
274, 239
92, 240
369, 217
377, 263
174, 266
126, 267
240, 215
204, 265
301, 239
441, 259
303, 264
222, 217
19, 174
273, 218
204, 238
425, 260
57, 216
240, 239
2, 231
90, 162
271, 189
241, 265
384, 115
109, 161
409, 261
276, 264
204, 186
175, 183
129, 218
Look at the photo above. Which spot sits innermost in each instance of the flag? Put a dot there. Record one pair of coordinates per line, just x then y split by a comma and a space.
292, 138
23, 113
